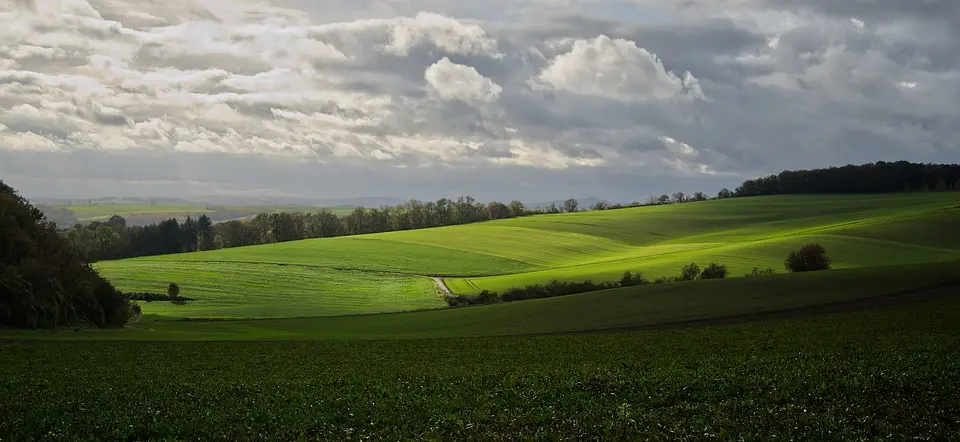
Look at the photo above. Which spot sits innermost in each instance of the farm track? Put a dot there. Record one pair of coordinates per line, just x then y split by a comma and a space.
442, 285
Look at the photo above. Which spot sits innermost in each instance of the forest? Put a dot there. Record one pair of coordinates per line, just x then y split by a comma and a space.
45, 283
114, 239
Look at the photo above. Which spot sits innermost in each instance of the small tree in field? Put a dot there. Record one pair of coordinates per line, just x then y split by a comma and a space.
809, 258
690, 272
173, 291
714, 271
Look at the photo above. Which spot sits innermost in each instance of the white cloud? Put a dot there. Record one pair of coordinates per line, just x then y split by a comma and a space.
452, 81
446, 33
617, 69
709, 88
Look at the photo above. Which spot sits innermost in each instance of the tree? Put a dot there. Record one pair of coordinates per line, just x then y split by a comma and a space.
188, 235
498, 210
599, 205
811, 257
631, 279
173, 291
689, 272
699, 196
205, 235
517, 208
724, 194
679, 197
664, 199
714, 271
571, 205
44, 281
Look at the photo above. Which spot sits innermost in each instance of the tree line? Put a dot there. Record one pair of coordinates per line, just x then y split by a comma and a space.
45, 283
879, 177
114, 239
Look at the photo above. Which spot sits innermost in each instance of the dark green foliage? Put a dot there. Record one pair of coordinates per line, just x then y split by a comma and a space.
889, 374
44, 283
631, 279
879, 177
811, 257
689, 272
151, 297
757, 271
714, 271
534, 291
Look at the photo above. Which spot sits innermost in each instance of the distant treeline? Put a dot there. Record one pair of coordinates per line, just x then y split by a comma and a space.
113, 239
880, 177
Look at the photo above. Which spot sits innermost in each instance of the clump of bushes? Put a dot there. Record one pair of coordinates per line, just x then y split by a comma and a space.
714, 271
810, 258
757, 271
554, 288
151, 297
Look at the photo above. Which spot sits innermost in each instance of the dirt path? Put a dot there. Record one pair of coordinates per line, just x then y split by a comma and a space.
443, 286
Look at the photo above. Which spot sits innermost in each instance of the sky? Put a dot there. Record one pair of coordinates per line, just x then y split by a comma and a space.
498, 99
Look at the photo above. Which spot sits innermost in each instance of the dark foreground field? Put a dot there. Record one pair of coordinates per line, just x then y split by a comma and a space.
891, 373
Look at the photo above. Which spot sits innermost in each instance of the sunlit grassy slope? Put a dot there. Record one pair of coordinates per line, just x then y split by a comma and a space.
385, 272
617, 308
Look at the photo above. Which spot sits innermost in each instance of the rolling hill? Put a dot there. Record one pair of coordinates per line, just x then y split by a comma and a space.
389, 271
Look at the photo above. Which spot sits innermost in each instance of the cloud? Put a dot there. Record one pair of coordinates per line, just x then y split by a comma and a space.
638, 97
617, 69
453, 81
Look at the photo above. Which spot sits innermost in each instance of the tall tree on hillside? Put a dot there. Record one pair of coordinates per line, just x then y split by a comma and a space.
517, 208
188, 235
679, 197
571, 205
204, 233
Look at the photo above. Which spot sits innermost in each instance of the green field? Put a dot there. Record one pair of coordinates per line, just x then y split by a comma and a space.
881, 374
637, 306
318, 339
313, 277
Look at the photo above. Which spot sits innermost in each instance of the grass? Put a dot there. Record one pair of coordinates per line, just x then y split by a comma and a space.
625, 307
885, 374
742, 233
251, 290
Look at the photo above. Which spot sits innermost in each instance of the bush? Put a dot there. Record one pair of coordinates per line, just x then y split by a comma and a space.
761, 272
690, 272
173, 291
631, 279
714, 271
809, 258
